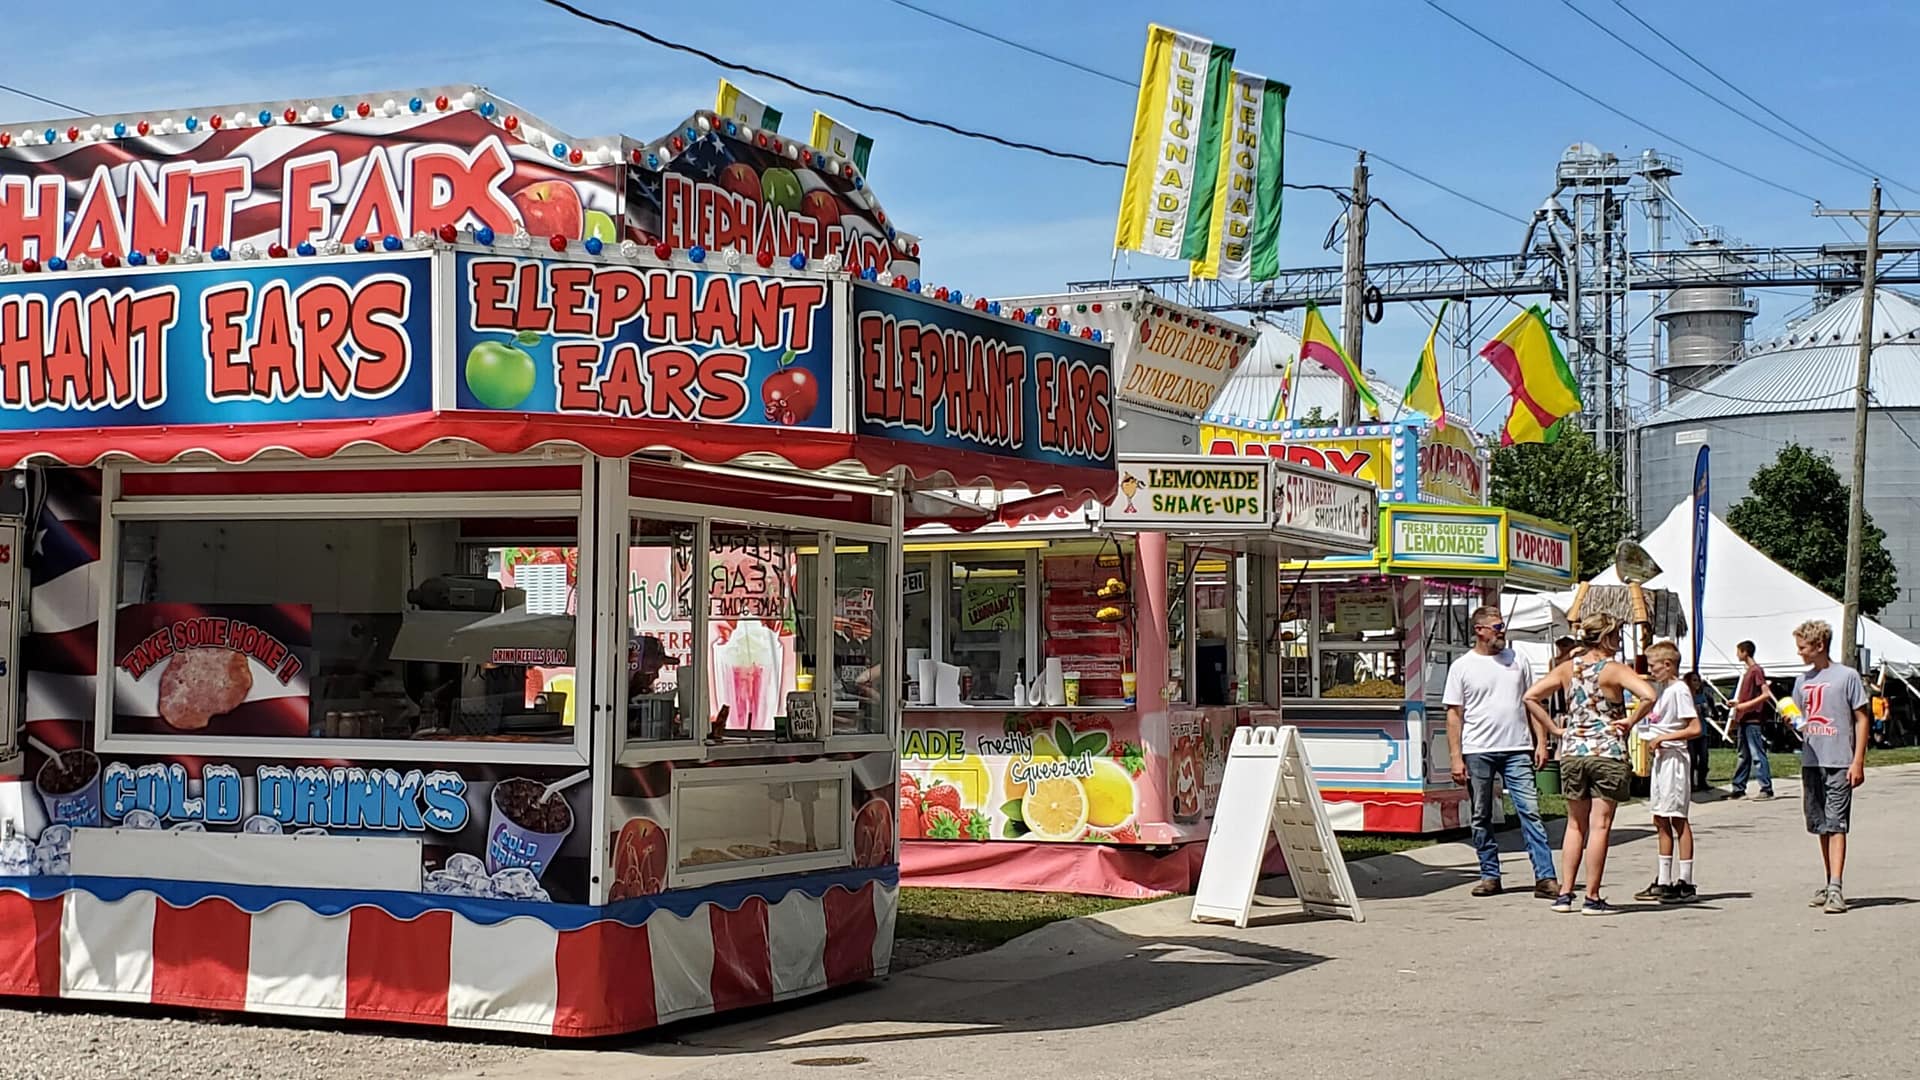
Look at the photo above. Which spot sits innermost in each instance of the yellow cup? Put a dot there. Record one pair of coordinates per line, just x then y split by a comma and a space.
1071, 682
803, 682
1129, 686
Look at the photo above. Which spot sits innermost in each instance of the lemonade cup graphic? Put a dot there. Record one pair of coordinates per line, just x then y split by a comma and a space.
69, 785
526, 827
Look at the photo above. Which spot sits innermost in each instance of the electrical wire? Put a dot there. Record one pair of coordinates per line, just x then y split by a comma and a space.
30, 95
1132, 85
1757, 103
730, 65
1621, 113
1715, 98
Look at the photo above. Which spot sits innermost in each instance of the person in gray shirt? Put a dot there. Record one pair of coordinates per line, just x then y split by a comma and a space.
1833, 753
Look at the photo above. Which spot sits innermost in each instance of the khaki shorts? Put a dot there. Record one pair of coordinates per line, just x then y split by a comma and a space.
1596, 778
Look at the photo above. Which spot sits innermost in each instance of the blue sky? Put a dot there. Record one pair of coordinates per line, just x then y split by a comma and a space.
1390, 75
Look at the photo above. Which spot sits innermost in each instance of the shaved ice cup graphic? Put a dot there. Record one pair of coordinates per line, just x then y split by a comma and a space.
515, 836
69, 785
747, 676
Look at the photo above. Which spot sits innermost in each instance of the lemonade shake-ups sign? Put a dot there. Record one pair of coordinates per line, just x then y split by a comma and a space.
1192, 492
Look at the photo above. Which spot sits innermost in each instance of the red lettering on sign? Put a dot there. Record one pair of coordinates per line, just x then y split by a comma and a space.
158, 216
31, 211
489, 292
97, 227
570, 287
304, 218
617, 293
220, 186
461, 188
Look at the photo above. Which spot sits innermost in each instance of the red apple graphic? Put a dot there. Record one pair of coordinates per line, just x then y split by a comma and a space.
551, 208
740, 179
821, 206
790, 393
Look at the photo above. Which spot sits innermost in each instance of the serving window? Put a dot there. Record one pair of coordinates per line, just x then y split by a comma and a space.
331, 619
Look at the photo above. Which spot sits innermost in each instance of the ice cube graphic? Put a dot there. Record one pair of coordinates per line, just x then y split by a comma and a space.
16, 857
441, 883
516, 883
140, 819
461, 864
261, 825
57, 838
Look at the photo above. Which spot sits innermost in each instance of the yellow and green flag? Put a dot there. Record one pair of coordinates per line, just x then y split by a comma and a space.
741, 107
1318, 344
1423, 389
1173, 161
1244, 235
837, 138
1543, 388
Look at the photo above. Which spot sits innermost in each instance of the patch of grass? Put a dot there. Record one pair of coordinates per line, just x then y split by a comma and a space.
1722, 760
1367, 845
988, 918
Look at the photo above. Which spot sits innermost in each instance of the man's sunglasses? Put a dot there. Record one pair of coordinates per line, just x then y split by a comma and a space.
1496, 627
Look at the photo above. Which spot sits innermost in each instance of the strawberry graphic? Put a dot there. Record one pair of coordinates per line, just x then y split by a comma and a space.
1126, 834
1131, 756
940, 823
978, 826
910, 828
946, 797
909, 788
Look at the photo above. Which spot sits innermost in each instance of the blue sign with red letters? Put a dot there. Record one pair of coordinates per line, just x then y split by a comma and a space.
644, 342
942, 376
217, 343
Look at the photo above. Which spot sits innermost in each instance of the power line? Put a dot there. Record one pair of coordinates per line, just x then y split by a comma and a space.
1757, 103
30, 95
1711, 96
1130, 84
967, 133
1622, 114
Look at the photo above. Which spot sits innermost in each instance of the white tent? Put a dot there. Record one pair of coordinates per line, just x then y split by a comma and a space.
1749, 598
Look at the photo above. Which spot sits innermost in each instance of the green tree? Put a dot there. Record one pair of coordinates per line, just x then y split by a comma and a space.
1795, 512
1317, 417
1571, 481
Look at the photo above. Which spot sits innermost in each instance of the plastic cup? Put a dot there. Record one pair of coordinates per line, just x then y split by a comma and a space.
69, 785
803, 682
1129, 687
1070, 682
519, 830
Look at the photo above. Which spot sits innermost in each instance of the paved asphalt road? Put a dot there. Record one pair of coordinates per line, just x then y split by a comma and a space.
1749, 983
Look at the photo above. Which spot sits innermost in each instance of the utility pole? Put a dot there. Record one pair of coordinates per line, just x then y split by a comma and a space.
1353, 288
1863, 383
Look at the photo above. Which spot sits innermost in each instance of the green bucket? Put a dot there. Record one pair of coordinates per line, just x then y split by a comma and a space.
1547, 778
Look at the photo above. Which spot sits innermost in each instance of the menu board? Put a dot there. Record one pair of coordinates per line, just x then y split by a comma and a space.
1098, 651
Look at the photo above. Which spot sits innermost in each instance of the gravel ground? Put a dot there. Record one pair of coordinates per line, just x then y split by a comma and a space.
102, 1042
97, 1041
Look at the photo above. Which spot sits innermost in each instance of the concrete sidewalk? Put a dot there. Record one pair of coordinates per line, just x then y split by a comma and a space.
1748, 983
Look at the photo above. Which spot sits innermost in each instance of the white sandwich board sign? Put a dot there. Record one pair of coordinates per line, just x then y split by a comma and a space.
1269, 788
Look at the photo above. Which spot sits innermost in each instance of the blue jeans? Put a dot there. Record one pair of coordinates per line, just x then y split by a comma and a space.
1515, 770
1752, 740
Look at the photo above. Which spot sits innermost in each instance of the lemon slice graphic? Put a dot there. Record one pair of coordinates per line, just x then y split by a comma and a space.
1056, 809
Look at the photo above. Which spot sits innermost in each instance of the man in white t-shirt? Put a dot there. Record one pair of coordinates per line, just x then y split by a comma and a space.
1492, 738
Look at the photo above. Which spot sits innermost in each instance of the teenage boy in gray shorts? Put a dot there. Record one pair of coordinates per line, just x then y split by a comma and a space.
1833, 752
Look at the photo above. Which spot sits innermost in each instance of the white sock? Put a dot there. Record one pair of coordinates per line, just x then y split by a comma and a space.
1686, 871
1666, 871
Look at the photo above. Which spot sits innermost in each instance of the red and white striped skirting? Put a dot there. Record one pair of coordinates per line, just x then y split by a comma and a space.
567, 971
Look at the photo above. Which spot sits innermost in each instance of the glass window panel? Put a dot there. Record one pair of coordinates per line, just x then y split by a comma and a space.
862, 609
659, 656
761, 623
753, 821
349, 628
987, 625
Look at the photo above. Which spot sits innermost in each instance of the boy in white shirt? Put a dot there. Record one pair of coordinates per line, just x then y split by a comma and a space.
1666, 725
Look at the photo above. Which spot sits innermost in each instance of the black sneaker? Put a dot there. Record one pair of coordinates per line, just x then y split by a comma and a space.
1685, 893
1736, 793
1655, 893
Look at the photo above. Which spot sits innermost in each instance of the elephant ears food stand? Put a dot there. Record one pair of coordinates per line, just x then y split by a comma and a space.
433, 515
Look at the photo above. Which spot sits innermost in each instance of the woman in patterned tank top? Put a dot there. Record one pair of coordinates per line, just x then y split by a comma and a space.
1594, 775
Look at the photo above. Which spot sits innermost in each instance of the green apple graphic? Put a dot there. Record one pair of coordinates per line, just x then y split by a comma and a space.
500, 375
781, 188
600, 224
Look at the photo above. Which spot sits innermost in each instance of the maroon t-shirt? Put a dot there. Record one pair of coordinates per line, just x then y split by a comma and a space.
1752, 684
